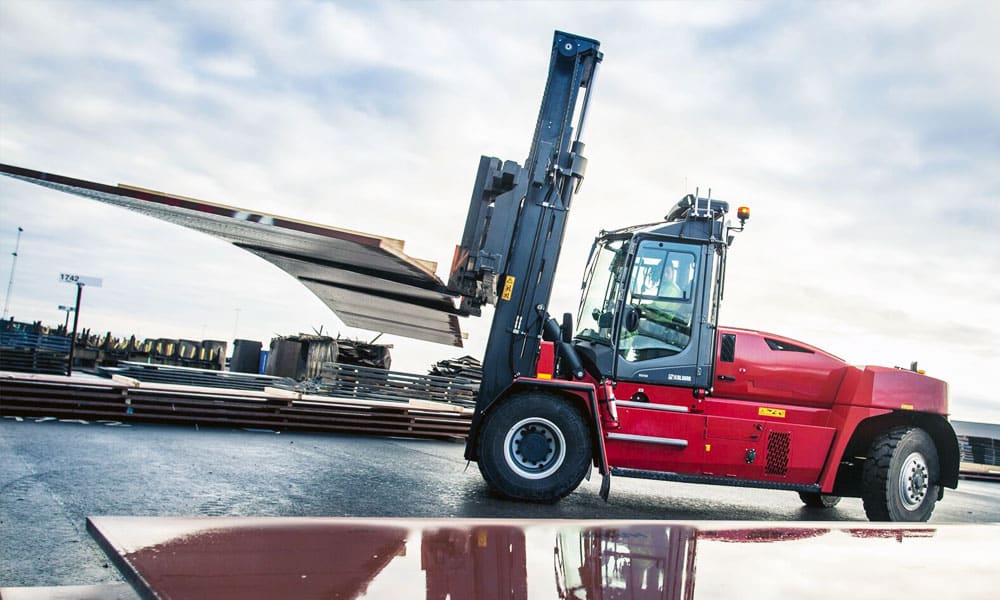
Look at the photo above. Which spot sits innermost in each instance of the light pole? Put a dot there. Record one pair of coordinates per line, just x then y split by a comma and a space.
236, 324
13, 264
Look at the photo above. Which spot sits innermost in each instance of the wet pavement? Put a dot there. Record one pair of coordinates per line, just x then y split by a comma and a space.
54, 475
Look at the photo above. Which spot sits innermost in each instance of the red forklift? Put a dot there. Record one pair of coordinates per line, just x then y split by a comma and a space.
646, 383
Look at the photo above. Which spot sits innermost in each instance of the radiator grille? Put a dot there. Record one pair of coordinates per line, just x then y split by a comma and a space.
777, 453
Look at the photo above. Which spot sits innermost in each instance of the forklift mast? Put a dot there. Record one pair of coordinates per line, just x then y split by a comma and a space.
516, 220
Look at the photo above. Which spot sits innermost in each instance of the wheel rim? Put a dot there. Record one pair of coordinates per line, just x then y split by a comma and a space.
534, 448
913, 481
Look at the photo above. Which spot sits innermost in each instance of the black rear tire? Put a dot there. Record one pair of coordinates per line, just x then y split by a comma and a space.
534, 446
817, 500
900, 476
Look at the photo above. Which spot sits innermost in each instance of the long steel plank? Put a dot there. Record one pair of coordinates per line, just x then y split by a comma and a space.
113, 400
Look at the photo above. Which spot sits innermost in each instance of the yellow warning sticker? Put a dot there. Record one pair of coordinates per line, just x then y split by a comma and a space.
771, 412
906, 406
508, 288
481, 539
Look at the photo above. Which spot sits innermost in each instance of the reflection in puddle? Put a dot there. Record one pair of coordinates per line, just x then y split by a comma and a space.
347, 558
477, 562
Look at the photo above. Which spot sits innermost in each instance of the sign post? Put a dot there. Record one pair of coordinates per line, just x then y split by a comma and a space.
67, 310
80, 281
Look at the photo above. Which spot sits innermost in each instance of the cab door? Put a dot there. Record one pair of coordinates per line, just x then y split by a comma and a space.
665, 335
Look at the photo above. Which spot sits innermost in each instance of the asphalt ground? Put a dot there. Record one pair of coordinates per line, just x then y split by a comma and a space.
54, 474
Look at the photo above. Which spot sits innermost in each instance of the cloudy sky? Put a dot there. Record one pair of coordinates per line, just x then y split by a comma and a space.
865, 137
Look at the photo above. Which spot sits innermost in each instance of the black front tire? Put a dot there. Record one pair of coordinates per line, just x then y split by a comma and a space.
900, 476
817, 500
534, 446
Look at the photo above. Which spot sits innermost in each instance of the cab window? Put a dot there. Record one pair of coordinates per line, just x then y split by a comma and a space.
660, 291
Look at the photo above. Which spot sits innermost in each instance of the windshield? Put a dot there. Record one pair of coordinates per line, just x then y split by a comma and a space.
600, 298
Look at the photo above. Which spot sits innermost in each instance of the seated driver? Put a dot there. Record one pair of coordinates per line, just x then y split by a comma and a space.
664, 318
664, 326
662, 310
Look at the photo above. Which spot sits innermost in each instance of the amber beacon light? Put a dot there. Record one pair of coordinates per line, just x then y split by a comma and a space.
743, 213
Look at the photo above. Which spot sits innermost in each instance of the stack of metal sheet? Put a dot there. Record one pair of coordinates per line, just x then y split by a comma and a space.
466, 367
350, 381
194, 377
42, 396
366, 279
26, 351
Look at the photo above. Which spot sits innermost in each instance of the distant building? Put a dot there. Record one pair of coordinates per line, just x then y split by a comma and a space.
980, 447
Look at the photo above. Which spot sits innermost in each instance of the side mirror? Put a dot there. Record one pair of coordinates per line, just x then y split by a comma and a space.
631, 315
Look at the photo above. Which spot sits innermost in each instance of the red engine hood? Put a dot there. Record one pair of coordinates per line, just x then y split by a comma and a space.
766, 367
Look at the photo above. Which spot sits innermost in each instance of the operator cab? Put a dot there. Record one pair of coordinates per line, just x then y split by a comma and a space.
651, 297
